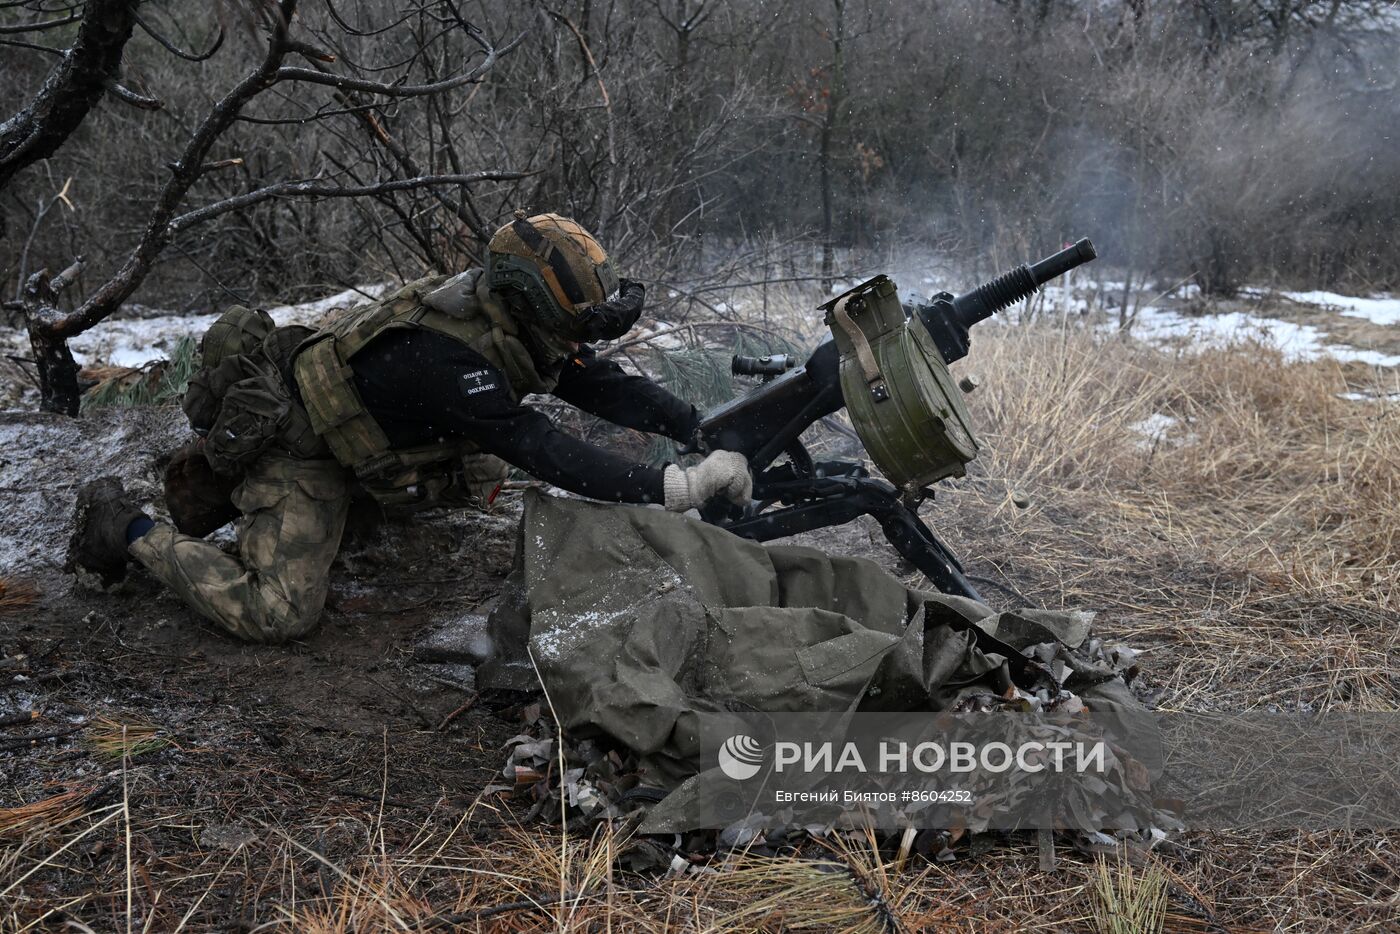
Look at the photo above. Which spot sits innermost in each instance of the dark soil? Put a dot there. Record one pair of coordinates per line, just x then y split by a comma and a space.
255, 736
271, 766
309, 742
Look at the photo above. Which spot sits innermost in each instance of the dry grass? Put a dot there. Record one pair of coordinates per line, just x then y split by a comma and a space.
16, 595
342, 875
46, 813
1128, 900
118, 740
1264, 467
1250, 543
529, 880
1249, 551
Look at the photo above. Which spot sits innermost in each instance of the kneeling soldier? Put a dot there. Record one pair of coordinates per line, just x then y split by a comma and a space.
417, 398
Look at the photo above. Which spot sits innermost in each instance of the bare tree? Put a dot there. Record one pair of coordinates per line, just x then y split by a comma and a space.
84, 74
50, 327
1225, 139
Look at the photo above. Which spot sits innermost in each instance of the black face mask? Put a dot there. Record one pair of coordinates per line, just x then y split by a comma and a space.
608, 321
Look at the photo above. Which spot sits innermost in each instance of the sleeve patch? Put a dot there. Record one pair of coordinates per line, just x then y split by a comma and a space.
473, 383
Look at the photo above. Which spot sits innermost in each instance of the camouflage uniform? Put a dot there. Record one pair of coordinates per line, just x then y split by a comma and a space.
293, 508
299, 451
274, 588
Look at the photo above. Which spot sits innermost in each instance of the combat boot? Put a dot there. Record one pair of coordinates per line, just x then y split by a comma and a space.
98, 544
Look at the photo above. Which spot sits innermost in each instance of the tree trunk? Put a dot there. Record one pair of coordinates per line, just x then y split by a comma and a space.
71, 90
58, 371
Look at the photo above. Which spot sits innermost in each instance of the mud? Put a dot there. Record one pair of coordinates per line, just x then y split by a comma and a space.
311, 741
281, 734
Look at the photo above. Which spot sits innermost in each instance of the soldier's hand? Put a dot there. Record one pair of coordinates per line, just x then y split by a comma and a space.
723, 473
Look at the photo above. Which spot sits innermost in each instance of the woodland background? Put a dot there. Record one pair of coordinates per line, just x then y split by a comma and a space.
1225, 140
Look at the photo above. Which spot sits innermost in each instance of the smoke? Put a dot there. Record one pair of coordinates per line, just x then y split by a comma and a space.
1252, 156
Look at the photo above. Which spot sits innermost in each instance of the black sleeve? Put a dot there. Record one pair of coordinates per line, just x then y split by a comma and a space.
602, 388
423, 388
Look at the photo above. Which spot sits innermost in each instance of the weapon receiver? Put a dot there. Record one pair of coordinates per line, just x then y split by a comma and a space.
887, 363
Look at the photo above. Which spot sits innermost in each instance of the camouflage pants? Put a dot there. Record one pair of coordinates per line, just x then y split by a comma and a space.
275, 587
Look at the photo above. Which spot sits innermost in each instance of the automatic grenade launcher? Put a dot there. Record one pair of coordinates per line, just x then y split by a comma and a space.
887, 364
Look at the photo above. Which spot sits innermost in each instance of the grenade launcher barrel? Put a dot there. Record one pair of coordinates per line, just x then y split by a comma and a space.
948, 318
765, 421
1008, 289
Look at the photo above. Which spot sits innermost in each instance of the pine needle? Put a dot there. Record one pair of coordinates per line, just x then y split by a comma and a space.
16, 595
113, 739
160, 382
1128, 900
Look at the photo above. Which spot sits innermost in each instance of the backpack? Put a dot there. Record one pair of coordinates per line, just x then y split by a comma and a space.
239, 400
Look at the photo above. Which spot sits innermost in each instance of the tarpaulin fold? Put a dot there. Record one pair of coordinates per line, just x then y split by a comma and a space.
637, 619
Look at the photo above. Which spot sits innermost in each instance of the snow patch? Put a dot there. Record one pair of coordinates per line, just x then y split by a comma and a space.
136, 341
1378, 309
1159, 429
1296, 341
1155, 426
1369, 357
43, 458
1369, 396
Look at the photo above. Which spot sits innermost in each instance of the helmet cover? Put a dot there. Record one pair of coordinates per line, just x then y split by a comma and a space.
565, 277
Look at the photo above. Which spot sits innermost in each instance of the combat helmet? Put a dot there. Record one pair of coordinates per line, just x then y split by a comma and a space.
564, 277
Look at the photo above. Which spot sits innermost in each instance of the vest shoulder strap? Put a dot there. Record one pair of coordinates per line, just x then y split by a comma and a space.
460, 307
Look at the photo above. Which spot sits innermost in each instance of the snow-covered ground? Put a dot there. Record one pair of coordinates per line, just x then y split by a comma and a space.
1378, 309
1297, 341
134, 341
1169, 327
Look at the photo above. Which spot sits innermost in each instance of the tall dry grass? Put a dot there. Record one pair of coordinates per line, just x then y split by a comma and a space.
1248, 547
1228, 510
1128, 900
532, 880
1264, 465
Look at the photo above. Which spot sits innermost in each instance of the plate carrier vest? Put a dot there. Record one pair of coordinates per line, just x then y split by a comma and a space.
460, 307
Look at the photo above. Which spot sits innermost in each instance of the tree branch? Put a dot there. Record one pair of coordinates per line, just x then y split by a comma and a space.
313, 188
185, 171
386, 89
50, 328
32, 46
127, 96
174, 49
37, 27
71, 90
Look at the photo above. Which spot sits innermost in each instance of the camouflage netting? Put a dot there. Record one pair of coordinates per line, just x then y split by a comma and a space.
639, 620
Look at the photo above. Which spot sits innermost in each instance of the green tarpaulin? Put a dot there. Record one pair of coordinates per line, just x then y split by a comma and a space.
637, 619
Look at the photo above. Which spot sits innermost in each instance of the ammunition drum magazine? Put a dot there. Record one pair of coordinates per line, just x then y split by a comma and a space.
903, 402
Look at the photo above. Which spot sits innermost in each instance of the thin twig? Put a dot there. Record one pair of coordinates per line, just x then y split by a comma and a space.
471, 702
18, 741
312, 188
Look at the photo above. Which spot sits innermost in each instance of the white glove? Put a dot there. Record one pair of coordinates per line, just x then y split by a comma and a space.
723, 473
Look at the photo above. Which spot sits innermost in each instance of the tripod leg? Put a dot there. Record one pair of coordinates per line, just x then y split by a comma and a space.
917, 543
838, 501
